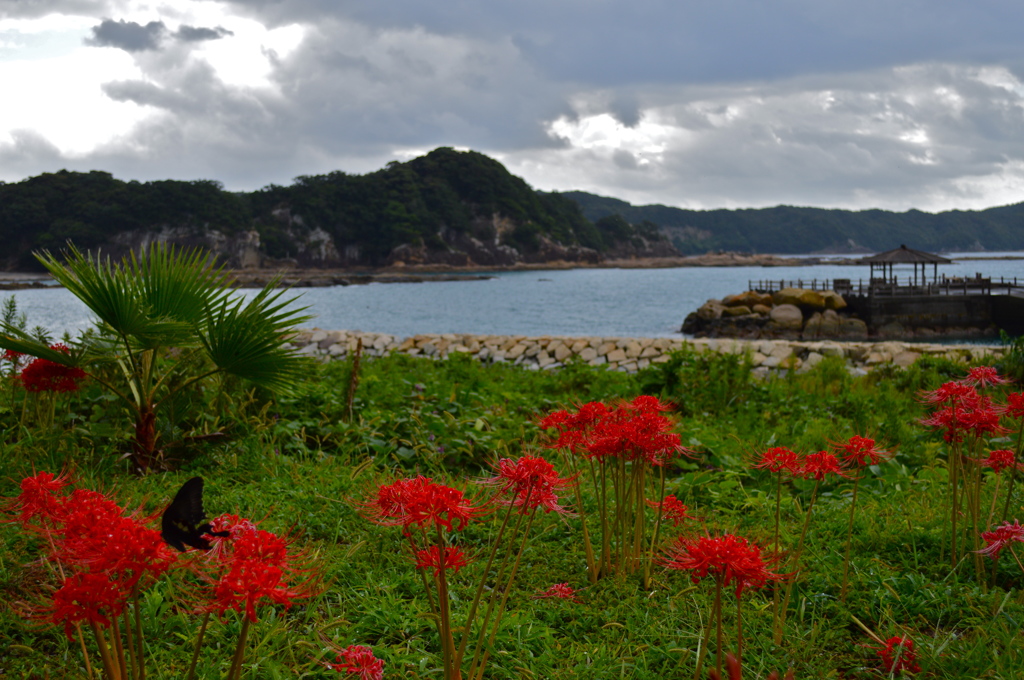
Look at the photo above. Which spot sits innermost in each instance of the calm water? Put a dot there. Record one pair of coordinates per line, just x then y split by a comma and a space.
624, 302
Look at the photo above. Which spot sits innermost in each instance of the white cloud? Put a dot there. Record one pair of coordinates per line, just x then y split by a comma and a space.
60, 99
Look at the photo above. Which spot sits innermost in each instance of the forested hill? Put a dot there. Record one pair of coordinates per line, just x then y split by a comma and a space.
447, 207
787, 229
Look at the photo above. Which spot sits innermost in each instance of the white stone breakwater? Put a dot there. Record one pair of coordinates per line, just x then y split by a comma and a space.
631, 354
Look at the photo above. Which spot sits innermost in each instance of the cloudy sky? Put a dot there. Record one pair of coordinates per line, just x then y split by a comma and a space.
893, 104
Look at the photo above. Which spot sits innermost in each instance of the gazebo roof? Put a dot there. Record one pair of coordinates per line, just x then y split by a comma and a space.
905, 255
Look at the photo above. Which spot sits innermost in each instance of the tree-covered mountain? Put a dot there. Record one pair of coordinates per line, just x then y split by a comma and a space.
447, 207
788, 229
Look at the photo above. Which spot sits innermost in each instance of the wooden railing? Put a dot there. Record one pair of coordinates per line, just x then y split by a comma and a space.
896, 286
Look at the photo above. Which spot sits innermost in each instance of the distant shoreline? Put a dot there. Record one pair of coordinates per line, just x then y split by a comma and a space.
412, 273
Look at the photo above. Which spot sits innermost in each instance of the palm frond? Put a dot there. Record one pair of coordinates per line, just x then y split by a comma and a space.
177, 285
247, 339
17, 340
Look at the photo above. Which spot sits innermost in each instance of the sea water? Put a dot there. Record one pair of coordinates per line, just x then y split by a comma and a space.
574, 302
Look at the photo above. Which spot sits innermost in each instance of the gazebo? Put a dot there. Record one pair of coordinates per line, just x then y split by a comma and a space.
904, 255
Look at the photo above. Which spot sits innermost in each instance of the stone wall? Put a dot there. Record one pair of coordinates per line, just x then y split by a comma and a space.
631, 354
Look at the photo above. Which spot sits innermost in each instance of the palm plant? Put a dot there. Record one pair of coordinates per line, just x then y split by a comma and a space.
167, 299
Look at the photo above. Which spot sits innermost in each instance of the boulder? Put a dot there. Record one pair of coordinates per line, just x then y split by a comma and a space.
787, 317
747, 299
800, 297
763, 310
738, 310
853, 329
833, 300
712, 309
893, 329
822, 325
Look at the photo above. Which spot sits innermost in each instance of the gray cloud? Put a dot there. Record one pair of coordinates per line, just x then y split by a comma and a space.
734, 103
614, 43
200, 33
127, 35
33, 9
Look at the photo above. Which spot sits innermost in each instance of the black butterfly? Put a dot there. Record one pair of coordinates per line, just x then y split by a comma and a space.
181, 523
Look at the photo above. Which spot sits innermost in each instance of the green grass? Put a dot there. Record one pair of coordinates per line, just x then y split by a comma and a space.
298, 463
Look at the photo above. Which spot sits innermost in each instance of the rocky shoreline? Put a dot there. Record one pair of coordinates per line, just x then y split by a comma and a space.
631, 354
800, 313
256, 277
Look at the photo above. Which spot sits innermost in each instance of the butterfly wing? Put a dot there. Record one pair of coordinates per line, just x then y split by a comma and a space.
180, 524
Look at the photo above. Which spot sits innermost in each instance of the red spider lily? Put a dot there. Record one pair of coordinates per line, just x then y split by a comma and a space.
672, 509
419, 501
950, 392
728, 558
1001, 537
818, 465
359, 663
560, 591
90, 597
982, 418
1000, 460
633, 430
39, 498
983, 376
453, 559
970, 413
12, 356
898, 655
531, 481
779, 459
573, 427
1015, 405
113, 545
43, 375
255, 565
860, 451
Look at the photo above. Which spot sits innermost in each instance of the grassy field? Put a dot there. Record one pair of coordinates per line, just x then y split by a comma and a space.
301, 465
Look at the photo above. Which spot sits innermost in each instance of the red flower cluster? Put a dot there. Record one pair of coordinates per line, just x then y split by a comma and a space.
860, 451
898, 656
87, 597
810, 466
818, 465
1001, 537
359, 663
672, 510
108, 551
43, 375
963, 411
419, 502
254, 565
431, 558
729, 559
560, 591
1000, 460
1015, 405
532, 483
633, 430
983, 376
779, 459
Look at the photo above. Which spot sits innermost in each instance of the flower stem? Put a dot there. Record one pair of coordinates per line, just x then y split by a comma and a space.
480, 586
794, 562
649, 558
504, 597
236, 662
718, 627
198, 646
849, 540
447, 645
